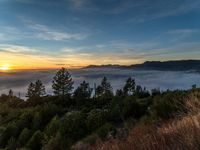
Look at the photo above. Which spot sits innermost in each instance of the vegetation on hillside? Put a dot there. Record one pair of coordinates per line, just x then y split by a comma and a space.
86, 118
181, 132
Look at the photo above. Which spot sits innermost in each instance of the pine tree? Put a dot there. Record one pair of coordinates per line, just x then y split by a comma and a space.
129, 87
39, 89
83, 91
105, 89
31, 90
36, 89
62, 83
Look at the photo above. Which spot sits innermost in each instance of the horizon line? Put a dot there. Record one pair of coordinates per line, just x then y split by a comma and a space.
81, 67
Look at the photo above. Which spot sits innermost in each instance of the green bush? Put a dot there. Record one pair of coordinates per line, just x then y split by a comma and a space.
44, 115
10, 131
103, 131
115, 114
168, 104
25, 120
73, 125
53, 127
95, 119
35, 143
12, 144
54, 143
132, 108
24, 137
91, 139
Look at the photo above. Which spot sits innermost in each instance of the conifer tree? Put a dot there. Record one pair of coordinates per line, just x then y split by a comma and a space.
129, 87
39, 88
105, 89
31, 90
83, 91
62, 83
36, 89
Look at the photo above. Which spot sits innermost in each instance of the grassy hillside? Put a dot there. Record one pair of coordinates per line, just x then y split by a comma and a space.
181, 132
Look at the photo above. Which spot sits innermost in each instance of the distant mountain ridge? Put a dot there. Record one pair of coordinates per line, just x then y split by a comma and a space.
177, 65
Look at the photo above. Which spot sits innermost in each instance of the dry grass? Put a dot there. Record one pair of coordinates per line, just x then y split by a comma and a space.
182, 133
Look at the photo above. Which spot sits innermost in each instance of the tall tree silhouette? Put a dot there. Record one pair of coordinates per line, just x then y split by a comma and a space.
31, 90
105, 89
83, 91
62, 83
129, 87
39, 88
36, 89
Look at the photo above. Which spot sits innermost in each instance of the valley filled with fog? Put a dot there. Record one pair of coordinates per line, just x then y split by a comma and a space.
18, 81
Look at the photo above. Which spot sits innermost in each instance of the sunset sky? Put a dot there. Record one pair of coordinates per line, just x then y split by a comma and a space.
75, 33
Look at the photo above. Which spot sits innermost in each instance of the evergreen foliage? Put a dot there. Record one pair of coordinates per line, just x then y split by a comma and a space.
62, 83
52, 123
36, 89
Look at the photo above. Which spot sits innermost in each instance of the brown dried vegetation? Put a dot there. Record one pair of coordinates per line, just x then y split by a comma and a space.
180, 133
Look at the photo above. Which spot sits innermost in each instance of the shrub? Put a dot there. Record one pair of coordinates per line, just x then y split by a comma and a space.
95, 119
44, 115
10, 131
103, 131
35, 143
54, 143
12, 144
91, 139
53, 127
132, 108
167, 105
24, 137
25, 120
115, 114
73, 125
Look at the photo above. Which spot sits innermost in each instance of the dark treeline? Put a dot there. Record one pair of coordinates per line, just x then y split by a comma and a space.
58, 121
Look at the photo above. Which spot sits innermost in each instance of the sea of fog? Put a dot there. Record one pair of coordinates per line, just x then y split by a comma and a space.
18, 81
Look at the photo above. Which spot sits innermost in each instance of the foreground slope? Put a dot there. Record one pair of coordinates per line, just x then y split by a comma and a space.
181, 132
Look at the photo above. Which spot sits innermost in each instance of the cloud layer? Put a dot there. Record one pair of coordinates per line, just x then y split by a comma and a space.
18, 81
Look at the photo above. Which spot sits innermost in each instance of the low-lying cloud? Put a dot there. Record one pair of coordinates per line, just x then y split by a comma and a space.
19, 81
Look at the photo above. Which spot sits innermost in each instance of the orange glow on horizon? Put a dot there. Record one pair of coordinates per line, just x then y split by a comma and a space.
5, 67
9, 62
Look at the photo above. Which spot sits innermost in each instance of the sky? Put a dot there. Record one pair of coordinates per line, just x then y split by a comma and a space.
74, 33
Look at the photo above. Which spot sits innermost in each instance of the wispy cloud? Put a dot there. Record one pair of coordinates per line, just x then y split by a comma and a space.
189, 49
184, 31
141, 10
162, 9
46, 33
95, 6
24, 57
125, 46
181, 35
139, 52
9, 48
80, 56
10, 33
76, 49
13, 49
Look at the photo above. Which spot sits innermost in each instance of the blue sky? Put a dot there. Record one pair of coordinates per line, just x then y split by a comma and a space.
81, 32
